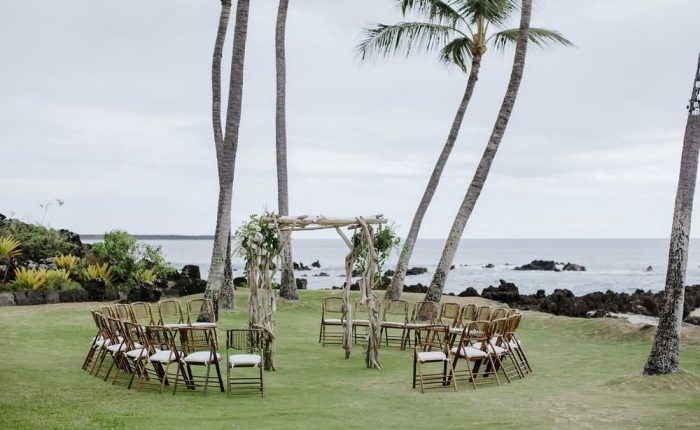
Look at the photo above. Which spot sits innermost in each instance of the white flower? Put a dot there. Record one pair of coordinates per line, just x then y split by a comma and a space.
257, 238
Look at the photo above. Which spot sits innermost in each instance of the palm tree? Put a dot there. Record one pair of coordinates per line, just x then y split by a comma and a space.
459, 30
477, 184
226, 141
288, 286
665, 351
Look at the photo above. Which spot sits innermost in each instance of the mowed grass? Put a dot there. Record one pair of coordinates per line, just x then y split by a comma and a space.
587, 375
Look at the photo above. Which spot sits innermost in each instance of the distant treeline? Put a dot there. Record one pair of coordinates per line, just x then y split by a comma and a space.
154, 237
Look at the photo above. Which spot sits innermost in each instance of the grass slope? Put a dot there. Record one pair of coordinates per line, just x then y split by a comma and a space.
587, 375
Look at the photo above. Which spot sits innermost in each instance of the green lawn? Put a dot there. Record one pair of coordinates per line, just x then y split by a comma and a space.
587, 375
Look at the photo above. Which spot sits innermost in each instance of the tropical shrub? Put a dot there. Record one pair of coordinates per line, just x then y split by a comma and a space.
39, 242
99, 271
9, 248
145, 275
59, 280
67, 262
28, 279
128, 257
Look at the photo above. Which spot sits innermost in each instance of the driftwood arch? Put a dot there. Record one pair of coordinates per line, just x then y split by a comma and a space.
261, 267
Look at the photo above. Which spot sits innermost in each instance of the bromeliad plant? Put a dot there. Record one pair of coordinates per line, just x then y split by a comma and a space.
28, 279
98, 271
145, 275
67, 262
9, 248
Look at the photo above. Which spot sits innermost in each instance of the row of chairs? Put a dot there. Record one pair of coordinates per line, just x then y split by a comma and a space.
395, 316
486, 347
149, 353
170, 312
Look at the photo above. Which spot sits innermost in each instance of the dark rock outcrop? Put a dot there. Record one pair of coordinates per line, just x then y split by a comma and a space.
469, 292
416, 271
240, 282
300, 266
302, 284
95, 289
322, 275
417, 288
489, 266
506, 292
144, 292
316, 264
571, 267
389, 273
649, 269
71, 296
539, 265
7, 299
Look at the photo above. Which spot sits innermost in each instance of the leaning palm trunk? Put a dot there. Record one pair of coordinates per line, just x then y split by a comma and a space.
393, 292
288, 286
438, 282
665, 351
226, 141
227, 297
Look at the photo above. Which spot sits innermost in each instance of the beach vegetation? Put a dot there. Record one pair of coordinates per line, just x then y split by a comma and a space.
28, 279
39, 242
102, 271
67, 262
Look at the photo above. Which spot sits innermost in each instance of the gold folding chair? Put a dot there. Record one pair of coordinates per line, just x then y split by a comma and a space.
199, 349
358, 312
498, 313
124, 312
516, 345
139, 349
332, 314
468, 313
200, 312
431, 347
503, 356
98, 341
162, 339
142, 313
472, 349
170, 313
424, 314
119, 346
394, 317
244, 349
483, 313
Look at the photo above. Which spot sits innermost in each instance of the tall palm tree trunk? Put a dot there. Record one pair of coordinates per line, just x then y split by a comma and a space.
288, 287
393, 292
477, 184
226, 152
665, 351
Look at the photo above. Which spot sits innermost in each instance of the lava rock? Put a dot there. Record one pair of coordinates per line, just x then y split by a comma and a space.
316, 264
300, 266
96, 290
29, 297
416, 271
539, 265
7, 299
417, 288
649, 269
389, 273
72, 296
693, 320
571, 267
144, 292
322, 275
50, 296
506, 292
489, 266
240, 282
452, 267
191, 271
302, 284
469, 292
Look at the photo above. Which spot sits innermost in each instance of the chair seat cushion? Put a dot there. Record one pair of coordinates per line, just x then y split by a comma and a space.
417, 324
335, 321
203, 324
176, 325
122, 347
102, 343
392, 324
469, 352
425, 356
202, 357
360, 322
456, 330
139, 353
244, 360
163, 357
514, 345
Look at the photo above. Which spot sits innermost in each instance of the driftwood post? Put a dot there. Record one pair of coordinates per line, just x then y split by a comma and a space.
368, 297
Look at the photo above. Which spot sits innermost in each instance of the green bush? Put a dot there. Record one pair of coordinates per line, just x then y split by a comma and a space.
59, 280
128, 257
38, 242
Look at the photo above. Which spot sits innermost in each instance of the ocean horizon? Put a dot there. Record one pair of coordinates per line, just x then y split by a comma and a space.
611, 264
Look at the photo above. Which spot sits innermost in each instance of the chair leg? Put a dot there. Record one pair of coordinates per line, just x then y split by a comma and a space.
262, 392
206, 379
218, 374
228, 379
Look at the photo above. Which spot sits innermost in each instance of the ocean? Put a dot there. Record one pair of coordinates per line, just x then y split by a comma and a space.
611, 264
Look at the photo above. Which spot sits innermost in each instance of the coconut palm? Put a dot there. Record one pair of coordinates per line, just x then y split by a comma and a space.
477, 184
288, 286
226, 140
665, 351
459, 31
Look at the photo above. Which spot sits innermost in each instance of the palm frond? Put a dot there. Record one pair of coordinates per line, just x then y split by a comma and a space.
492, 11
437, 11
539, 37
406, 37
457, 52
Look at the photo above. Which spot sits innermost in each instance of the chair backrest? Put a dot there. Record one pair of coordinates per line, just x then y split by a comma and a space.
193, 339
108, 311
247, 340
432, 337
361, 310
200, 310
395, 311
468, 313
483, 313
134, 334
498, 313
450, 314
161, 337
143, 313
424, 312
170, 312
475, 333
116, 331
498, 329
124, 312
331, 305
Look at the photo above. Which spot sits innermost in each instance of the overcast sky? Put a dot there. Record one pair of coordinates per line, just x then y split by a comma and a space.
106, 105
